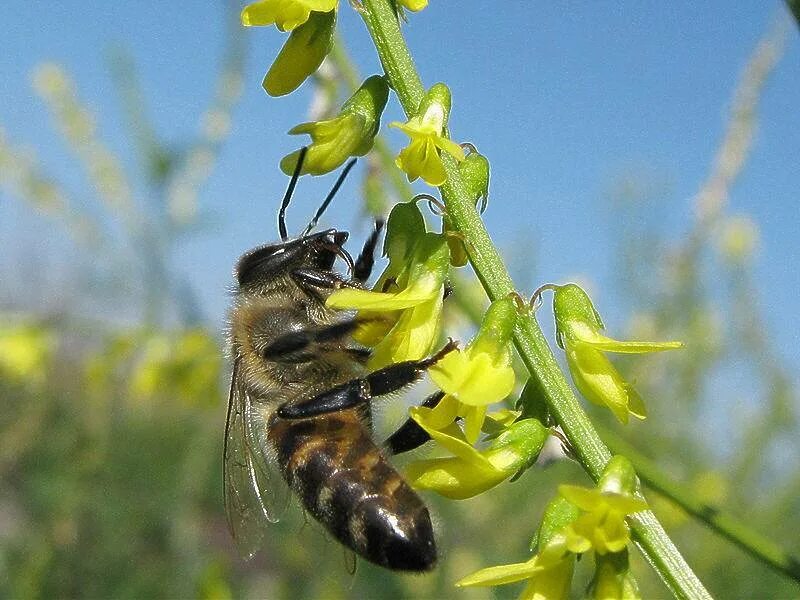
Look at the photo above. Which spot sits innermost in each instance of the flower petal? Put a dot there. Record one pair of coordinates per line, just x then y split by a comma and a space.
452, 477
584, 498
412, 337
450, 438
450, 147
597, 379
500, 575
302, 54
584, 333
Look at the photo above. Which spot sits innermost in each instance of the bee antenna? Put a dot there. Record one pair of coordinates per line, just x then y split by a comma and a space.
313, 222
289, 191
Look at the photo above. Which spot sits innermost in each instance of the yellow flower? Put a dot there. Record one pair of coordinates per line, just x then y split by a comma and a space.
602, 525
351, 133
426, 130
479, 375
578, 327
549, 573
470, 472
413, 5
284, 14
402, 324
25, 351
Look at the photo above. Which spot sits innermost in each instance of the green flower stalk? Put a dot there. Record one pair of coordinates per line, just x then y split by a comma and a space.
426, 130
350, 133
578, 331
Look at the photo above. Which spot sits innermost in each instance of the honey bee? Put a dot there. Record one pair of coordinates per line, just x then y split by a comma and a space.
299, 403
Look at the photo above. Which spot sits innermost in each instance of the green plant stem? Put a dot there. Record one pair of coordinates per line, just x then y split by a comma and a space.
752, 542
531, 344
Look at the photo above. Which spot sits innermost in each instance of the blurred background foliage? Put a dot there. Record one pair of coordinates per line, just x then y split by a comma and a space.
111, 433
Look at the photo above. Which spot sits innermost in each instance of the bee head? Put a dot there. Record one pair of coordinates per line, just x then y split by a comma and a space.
309, 251
316, 251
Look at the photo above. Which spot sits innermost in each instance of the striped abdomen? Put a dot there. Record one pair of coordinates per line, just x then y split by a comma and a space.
346, 483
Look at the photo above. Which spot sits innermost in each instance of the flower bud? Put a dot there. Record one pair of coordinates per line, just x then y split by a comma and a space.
618, 477
474, 171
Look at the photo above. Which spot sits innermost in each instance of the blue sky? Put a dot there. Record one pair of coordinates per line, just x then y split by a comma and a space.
564, 98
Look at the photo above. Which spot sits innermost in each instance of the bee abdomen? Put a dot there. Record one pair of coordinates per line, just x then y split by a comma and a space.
346, 483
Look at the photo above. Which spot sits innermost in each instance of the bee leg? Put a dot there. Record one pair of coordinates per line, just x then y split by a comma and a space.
293, 346
360, 391
328, 280
366, 259
410, 435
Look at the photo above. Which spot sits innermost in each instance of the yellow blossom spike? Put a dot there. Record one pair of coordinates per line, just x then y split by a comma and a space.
413, 335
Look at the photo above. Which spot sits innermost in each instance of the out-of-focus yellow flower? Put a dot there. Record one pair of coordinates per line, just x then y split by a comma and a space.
25, 351
549, 573
470, 472
426, 130
402, 324
479, 375
738, 239
183, 366
413, 5
351, 133
578, 327
284, 14
602, 525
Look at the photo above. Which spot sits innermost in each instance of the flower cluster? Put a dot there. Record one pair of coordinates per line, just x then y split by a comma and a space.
579, 521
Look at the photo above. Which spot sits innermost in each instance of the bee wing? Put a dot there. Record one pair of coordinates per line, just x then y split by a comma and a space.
251, 486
